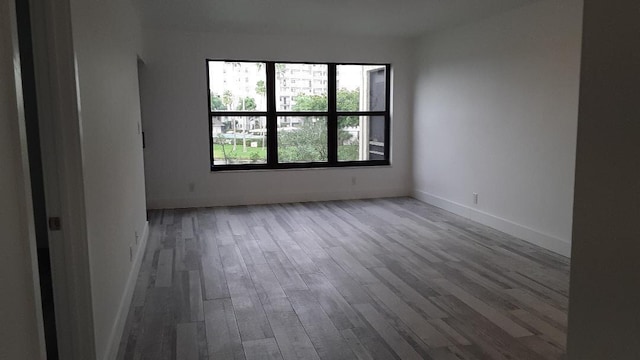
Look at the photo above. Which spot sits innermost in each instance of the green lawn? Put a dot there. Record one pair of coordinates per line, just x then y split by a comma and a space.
345, 153
251, 153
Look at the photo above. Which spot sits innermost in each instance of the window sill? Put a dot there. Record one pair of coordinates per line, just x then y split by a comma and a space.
299, 167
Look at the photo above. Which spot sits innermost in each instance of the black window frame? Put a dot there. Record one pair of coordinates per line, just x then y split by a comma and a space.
332, 115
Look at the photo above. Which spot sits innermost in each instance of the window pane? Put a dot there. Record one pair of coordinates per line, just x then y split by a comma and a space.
361, 138
360, 87
239, 139
302, 139
301, 87
237, 86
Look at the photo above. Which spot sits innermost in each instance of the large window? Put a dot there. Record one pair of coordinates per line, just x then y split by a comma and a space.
278, 115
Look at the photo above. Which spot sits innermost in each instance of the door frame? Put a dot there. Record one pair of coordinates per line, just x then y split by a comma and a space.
20, 159
61, 147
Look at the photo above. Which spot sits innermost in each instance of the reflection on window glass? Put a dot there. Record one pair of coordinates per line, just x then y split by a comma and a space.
302, 139
361, 138
360, 88
237, 86
239, 139
301, 87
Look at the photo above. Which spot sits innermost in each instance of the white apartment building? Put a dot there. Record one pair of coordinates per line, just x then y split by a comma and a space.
299, 79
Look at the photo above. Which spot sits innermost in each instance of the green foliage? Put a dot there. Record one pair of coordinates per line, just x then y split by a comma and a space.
280, 70
308, 143
227, 99
310, 102
219, 147
343, 136
255, 156
261, 88
216, 102
346, 100
348, 152
249, 103
347, 145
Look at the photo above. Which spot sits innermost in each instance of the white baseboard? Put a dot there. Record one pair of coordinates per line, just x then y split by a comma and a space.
125, 302
557, 245
270, 197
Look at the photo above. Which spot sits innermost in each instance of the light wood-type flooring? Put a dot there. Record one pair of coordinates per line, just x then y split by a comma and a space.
362, 279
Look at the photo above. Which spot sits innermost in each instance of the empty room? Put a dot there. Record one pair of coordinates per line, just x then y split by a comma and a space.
225, 179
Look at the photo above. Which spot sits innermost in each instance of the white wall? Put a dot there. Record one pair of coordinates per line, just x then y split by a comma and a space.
604, 311
21, 336
107, 39
175, 108
496, 109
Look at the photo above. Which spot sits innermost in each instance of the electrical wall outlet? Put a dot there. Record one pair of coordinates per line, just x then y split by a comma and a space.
475, 198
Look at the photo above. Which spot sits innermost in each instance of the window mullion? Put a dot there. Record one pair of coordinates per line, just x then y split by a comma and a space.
332, 120
272, 121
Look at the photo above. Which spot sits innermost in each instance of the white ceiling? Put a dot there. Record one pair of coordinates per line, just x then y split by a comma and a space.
361, 17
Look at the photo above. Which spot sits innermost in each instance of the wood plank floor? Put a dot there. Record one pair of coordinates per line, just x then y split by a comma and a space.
363, 279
